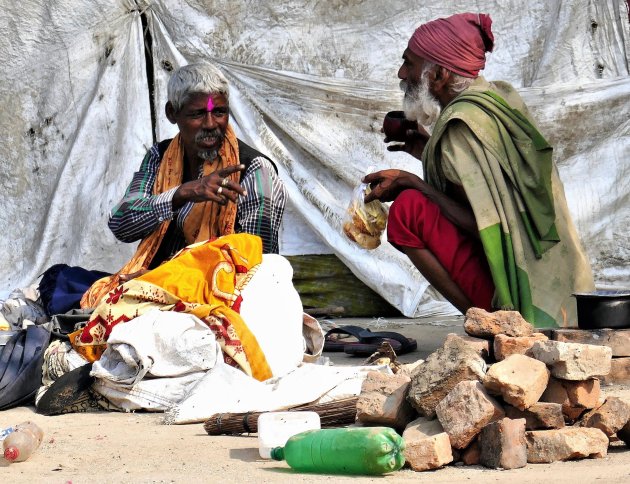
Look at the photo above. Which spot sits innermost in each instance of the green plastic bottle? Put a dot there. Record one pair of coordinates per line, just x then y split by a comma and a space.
359, 451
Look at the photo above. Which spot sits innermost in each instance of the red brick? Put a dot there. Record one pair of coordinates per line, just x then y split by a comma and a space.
383, 400
572, 361
470, 455
502, 444
465, 411
619, 372
519, 379
505, 346
482, 324
539, 416
609, 417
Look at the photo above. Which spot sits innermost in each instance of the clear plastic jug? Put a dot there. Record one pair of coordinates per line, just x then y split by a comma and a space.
275, 428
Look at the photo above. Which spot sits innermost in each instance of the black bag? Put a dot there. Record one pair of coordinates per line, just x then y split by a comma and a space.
64, 324
21, 362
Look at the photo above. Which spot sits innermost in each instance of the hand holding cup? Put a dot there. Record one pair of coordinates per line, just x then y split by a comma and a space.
397, 128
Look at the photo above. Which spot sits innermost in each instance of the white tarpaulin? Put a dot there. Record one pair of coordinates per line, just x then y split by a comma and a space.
310, 84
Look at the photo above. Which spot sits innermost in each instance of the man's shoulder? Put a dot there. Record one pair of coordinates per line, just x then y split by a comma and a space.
502, 90
478, 102
162, 146
247, 154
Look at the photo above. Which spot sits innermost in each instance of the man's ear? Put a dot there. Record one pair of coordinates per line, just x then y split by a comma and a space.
440, 82
442, 77
170, 112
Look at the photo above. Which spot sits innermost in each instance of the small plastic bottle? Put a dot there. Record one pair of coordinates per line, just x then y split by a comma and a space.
275, 428
22, 442
357, 451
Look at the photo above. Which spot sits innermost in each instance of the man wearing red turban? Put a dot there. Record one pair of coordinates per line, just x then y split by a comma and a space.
488, 224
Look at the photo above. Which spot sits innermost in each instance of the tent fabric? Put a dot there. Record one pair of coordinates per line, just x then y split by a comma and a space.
310, 83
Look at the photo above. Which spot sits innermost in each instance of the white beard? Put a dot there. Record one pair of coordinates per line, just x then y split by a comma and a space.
207, 155
419, 104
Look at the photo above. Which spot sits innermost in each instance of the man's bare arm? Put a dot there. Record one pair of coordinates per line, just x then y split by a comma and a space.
386, 185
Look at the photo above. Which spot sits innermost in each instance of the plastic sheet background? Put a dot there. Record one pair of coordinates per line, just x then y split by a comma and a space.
310, 83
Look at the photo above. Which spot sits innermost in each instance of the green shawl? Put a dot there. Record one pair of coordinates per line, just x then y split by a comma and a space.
505, 166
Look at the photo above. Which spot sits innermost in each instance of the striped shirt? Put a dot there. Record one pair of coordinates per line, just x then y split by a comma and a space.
140, 212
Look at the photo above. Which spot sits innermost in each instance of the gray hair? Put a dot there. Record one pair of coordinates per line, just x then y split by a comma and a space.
458, 83
197, 78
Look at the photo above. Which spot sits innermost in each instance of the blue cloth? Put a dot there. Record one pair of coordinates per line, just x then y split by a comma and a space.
62, 287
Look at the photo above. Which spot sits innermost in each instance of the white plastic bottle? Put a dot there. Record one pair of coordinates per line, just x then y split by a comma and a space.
22, 442
275, 428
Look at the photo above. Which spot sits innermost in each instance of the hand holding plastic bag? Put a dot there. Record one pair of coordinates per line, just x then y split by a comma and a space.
365, 223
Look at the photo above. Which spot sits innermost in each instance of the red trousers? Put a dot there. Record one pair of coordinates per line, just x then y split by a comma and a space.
417, 222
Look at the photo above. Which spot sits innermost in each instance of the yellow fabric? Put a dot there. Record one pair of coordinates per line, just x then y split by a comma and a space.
204, 279
205, 220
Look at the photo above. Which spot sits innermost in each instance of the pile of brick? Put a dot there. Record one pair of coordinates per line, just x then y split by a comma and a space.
502, 396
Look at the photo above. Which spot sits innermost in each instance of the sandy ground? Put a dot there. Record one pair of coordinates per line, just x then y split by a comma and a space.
119, 448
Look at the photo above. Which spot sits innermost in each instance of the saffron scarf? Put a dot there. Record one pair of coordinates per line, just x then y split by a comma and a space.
205, 220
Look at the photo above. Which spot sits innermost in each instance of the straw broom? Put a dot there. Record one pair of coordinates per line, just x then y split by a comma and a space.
331, 414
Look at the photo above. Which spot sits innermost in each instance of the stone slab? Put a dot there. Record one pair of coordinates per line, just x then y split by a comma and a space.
618, 340
619, 372
572, 361
544, 446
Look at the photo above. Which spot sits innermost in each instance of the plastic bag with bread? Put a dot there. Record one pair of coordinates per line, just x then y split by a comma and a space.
365, 223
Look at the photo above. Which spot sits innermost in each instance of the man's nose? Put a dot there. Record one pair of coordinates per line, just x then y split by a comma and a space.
402, 73
209, 121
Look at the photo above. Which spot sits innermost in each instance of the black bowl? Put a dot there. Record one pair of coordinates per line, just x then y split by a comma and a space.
603, 309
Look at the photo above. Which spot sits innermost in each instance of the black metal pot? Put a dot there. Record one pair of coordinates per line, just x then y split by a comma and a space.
603, 309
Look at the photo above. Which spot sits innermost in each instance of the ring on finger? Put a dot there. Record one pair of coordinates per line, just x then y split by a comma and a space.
225, 181
219, 190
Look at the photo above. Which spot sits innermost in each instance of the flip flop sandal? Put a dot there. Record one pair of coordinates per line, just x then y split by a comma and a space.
371, 342
338, 344
65, 391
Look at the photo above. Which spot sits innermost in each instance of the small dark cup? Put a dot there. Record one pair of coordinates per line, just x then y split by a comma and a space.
395, 126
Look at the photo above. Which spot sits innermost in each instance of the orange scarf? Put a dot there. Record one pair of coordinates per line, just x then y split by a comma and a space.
205, 220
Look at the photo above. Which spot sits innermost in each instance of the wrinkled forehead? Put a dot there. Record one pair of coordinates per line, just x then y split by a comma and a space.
209, 101
413, 59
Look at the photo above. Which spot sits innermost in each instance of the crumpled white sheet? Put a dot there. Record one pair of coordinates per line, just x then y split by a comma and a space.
226, 389
155, 359
273, 311
310, 83
168, 361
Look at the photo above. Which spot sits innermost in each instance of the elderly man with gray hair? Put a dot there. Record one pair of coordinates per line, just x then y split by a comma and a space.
488, 224
204, 183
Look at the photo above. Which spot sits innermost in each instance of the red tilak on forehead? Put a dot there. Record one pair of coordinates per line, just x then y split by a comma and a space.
210, 104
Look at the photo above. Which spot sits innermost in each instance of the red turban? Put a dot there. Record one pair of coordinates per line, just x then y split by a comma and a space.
459, 43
